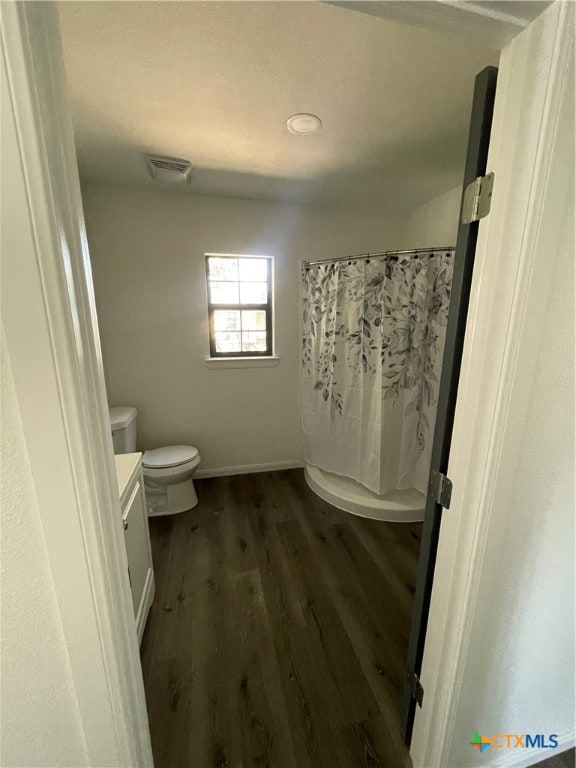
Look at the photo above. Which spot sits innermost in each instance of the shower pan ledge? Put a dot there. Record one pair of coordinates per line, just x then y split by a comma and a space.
399, 506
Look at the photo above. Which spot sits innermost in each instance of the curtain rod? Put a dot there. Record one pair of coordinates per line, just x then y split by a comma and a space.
381, 254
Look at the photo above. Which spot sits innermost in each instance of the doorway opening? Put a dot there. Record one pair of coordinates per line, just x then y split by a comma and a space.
280, 627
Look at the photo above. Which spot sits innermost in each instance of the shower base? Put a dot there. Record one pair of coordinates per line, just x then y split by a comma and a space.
400, 506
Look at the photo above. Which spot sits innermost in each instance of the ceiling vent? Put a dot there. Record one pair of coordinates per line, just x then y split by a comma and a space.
169, 170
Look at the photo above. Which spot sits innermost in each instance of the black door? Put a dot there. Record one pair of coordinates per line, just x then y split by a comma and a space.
476, 158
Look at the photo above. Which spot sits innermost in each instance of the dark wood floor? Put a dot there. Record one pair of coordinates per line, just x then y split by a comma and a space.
279, 631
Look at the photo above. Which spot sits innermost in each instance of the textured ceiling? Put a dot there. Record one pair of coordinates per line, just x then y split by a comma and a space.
215, 82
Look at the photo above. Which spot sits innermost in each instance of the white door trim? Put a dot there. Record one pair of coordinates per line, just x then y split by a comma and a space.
528, 101
49, 318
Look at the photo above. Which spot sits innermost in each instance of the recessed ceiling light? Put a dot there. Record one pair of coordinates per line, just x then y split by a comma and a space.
303, 124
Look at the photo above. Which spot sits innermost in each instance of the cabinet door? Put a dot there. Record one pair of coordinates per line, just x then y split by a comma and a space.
137, 547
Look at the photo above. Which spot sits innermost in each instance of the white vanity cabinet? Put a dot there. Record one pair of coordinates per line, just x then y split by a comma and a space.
136, 535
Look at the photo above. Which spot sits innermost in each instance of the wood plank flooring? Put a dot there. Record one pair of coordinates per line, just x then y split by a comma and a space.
279, 632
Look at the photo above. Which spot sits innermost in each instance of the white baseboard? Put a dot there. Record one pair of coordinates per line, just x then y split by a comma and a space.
523, 758
247, 469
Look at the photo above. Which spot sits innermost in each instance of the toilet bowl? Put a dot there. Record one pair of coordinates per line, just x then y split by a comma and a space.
167, 471
168, 482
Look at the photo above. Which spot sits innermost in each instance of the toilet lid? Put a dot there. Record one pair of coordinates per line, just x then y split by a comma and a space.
170, 456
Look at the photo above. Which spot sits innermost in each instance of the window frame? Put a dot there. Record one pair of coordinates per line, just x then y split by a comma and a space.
267, 308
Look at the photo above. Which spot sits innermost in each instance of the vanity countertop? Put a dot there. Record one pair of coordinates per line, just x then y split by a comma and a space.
126, 465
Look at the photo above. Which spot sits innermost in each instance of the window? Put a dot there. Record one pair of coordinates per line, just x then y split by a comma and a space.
239, 305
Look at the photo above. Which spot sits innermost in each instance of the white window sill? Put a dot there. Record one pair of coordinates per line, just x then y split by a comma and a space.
223, 363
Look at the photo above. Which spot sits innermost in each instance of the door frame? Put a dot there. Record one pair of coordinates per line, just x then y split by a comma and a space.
51, 331
31, 45
531, 81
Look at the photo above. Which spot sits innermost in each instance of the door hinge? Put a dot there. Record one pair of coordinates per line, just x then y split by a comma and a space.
441, 488
477, 199
415, 686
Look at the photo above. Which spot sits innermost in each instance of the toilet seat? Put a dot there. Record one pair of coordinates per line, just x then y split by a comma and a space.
169, 456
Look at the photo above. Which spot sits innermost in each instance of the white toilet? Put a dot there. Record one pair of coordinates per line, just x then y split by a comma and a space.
167, 471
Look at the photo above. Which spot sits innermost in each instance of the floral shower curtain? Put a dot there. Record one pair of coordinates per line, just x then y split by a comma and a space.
373, 339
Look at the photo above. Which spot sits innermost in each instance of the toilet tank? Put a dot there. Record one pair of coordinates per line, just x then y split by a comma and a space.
123, 426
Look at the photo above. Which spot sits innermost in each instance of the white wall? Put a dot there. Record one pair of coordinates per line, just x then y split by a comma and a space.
436, 222
147, 251
39, 713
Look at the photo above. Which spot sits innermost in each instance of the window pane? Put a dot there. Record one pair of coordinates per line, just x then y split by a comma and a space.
253, 320
223, 293
227, 342
254, 342
222, 269
253, 269
253, 293
226, 320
